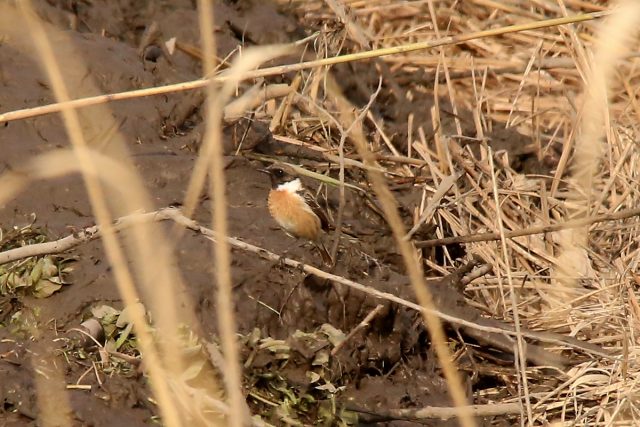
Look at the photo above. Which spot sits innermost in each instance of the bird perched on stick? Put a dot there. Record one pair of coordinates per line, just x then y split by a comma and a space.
294, 207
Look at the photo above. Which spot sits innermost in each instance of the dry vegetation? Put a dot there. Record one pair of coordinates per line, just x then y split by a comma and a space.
533, 132
533, 82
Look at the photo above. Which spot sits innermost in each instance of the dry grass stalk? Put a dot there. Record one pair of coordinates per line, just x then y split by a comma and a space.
248, 75
101, 211
225, 306
521, 363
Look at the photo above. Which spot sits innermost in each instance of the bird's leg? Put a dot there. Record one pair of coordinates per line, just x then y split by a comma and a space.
281, 261
300, 268
284, 255
324, 253
283, 258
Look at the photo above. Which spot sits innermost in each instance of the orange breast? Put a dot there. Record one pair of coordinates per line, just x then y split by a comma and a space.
291, 213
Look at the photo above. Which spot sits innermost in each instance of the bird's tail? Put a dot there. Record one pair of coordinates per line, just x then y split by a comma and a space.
326, 256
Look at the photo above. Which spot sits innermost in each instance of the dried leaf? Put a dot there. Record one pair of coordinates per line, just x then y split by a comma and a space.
336, 336
313, 377
327, 387
322, 358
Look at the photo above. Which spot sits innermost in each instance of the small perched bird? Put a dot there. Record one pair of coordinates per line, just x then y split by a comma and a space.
294, 208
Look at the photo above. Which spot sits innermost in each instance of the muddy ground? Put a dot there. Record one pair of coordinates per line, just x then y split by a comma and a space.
390, 367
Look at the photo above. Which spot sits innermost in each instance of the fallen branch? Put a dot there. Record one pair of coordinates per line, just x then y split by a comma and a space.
488, 237
442, 413
89, 234
66, 243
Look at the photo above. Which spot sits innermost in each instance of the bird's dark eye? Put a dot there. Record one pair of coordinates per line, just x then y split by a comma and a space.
278, 173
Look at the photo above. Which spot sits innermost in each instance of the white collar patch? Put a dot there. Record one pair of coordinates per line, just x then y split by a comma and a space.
292, 186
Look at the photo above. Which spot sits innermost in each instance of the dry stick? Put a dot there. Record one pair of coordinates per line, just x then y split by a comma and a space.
487, 237
253, 98
364, 324
172, 214
271, 71
567, 150
478, 272
240, 414
445, 413
124, 281
280, 116
176, 216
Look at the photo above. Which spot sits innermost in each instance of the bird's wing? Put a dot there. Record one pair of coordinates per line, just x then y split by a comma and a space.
315, 207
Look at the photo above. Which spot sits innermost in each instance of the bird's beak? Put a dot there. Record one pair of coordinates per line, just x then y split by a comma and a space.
267, 171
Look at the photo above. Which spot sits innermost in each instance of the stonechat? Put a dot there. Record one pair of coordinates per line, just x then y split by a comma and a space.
294, 207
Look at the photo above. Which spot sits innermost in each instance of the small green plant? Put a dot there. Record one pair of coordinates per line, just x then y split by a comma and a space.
38, 276
300, 401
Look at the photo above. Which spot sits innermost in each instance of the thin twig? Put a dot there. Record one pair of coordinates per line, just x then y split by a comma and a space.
487, 237
360, 326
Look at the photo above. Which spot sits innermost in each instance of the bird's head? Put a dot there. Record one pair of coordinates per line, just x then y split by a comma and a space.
280, 173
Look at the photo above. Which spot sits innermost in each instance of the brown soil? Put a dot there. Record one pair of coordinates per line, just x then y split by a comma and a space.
392, 366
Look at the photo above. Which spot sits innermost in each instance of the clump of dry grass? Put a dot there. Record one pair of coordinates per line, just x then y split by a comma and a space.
532, 82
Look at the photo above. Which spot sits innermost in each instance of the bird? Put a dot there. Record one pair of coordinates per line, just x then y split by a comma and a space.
294, 207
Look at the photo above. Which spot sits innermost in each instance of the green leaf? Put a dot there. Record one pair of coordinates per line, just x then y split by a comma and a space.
124, 335
45, 288
49, 269
36, 272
